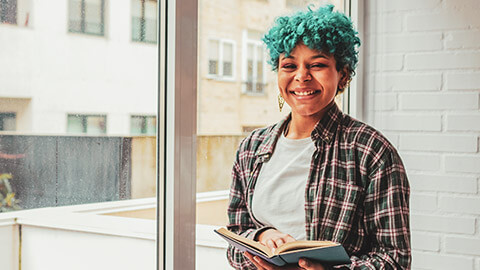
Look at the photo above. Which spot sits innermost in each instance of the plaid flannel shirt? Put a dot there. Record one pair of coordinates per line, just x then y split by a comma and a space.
357, 193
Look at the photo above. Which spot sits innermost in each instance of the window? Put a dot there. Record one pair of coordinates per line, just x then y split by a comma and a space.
15, 12
254, 63
144, 21
146, 125
221, 58
7, 121
87, 17
87, 124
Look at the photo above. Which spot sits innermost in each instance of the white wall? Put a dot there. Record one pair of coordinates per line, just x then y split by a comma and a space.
47, 248
65, 73
422, 85
9, 247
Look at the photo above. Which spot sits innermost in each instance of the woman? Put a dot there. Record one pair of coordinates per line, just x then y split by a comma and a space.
319, 174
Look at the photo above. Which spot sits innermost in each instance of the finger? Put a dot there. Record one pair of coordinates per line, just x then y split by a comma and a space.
309, 265
252, 259
271, 244
279, 242
289, 238
264, 264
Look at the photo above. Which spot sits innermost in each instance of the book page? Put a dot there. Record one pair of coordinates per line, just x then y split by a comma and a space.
249, 242
298, 245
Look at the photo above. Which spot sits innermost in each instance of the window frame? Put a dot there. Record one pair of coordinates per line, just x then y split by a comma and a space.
176, 130
256, 44
220, 76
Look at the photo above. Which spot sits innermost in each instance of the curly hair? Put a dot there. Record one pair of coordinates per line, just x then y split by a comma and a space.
322, 29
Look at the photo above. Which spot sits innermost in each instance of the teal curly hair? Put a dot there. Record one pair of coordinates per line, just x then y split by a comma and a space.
322, 29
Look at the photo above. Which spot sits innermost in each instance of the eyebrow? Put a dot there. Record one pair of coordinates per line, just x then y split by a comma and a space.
321, 55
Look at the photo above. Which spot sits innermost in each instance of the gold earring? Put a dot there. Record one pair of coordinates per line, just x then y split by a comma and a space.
281, 101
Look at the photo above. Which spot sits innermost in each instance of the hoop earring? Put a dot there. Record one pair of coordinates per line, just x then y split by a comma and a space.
281, 102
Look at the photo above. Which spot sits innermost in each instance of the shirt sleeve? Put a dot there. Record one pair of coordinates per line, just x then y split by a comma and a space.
239, 219
386, 216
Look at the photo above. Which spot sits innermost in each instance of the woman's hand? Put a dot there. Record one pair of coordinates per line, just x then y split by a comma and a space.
310, 265
274, 239
263, 265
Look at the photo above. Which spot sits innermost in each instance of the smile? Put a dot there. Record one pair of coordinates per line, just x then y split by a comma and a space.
305, 93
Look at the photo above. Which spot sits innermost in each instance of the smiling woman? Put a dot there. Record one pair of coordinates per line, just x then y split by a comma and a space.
319, 174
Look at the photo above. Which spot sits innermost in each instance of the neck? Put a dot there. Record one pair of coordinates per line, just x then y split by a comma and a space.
301, 126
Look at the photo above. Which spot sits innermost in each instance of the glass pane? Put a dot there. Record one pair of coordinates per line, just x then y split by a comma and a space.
151, 125
75, 124
213, 51
94, 17
96, 125
136, 125
227, 59
75, 15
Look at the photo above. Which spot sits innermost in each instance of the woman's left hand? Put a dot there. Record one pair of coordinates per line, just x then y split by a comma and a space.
310, 265
302, 264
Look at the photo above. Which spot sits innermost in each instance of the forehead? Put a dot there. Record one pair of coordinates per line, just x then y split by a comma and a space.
301, 51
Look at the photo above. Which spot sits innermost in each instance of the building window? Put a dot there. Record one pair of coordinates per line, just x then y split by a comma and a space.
254, 63
144, 21
87, 124
87, 16
221, 58
145, 125
8, 121
15, 12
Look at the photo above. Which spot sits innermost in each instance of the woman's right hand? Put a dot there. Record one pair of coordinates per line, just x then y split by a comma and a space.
274, 239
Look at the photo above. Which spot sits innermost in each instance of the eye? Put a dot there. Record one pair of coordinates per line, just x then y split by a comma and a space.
288, 66
318, 65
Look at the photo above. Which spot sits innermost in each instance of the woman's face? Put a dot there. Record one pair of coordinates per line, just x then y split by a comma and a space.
308, 80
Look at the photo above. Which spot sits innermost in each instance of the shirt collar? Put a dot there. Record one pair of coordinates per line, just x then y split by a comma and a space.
324, 130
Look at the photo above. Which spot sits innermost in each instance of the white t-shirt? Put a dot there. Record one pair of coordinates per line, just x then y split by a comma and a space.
279, 195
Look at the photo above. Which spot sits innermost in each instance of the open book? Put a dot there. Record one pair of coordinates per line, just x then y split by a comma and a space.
326, 252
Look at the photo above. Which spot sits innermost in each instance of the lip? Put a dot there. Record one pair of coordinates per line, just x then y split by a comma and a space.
303, 92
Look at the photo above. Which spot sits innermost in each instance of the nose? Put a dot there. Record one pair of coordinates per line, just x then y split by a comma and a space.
303, 74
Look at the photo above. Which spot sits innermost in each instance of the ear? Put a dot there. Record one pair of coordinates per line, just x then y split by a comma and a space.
344, 79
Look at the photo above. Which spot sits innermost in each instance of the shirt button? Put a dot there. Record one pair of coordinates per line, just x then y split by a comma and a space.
327, 138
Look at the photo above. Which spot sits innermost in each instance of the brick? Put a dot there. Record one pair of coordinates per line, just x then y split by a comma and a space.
409, 82
463, 39
459, 204
462, 5
404, 5
466, 164
383, 23
442, 183
445, 224
439, 143
389, 62
463, 122
409, 122
442, 21
443, 101
411, 43
443, 60
462, 81
425, 260
423, 202
385, 102
421, 162
462, 245
422, 241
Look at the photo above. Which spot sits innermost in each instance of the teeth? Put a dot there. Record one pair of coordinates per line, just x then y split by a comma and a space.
304, 93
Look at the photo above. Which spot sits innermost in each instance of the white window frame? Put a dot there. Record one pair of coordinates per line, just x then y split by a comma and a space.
256, 43
220, 76
177, 116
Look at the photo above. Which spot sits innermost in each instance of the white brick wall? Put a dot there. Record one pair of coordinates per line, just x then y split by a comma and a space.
423, 92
